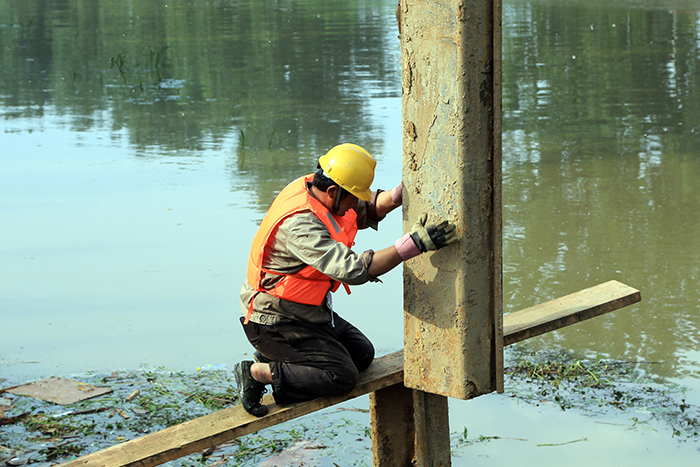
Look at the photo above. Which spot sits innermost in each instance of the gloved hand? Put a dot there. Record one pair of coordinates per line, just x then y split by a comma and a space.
432, 236
422, 238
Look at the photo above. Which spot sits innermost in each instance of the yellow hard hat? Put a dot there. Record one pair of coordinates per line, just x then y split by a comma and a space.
351, 167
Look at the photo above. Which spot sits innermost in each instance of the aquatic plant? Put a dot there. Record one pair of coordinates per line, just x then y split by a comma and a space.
120, 63
155, 60
599, 386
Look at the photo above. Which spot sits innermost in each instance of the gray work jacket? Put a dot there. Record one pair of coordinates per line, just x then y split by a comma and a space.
302, 239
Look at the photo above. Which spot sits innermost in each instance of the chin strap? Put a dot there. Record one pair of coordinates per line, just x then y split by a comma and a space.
336, 204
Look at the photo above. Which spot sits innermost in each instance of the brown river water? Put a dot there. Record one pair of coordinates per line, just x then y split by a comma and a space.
141, 143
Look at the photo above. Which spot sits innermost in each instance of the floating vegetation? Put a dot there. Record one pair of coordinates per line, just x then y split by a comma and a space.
599, 386
554, 372
35, 432
142, 402
140, 78
119, 62
155, 60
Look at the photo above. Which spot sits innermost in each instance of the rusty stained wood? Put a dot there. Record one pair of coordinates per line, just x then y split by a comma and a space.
497, 237
451, 120
404, 424
393, 427
384, 378
432, 427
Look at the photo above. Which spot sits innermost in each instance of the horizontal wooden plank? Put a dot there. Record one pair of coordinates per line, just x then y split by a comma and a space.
567, 310
225, 425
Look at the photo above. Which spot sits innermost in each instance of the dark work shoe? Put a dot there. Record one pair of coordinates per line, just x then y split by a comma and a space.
260, 358
250, 391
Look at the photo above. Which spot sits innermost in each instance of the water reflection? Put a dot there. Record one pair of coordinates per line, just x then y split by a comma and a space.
601, 132
284, 78
600, 147
142, 142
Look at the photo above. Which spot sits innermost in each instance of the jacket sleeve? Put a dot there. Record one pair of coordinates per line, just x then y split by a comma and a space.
309, 241
367, 213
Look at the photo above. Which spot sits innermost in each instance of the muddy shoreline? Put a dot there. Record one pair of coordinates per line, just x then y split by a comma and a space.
145, 400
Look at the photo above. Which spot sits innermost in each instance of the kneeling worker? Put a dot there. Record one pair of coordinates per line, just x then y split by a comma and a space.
300, 254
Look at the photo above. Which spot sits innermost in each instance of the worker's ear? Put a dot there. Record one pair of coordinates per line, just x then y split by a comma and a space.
332, 191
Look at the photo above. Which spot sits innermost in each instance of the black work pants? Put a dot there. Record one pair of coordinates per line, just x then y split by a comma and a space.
311, 360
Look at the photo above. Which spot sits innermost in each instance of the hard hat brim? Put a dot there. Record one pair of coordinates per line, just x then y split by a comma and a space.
363, 195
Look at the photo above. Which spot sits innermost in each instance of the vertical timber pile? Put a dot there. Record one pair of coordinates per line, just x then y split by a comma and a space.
450, 53
453, 334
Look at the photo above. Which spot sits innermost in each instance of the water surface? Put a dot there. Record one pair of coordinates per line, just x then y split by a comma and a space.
141, 144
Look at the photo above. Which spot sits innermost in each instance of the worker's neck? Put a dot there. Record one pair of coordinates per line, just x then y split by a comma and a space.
321, 196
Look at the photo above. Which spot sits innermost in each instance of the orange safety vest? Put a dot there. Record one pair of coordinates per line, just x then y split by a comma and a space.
308, 286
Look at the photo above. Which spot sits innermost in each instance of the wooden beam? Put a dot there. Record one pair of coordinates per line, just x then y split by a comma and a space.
451, 120
431, 418
404, 422
225, 425
393, 426
393, 406
567, 310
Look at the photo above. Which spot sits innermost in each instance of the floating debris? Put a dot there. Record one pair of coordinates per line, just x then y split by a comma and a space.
131, 396
41, 433
600, 386
301, 452
58, 390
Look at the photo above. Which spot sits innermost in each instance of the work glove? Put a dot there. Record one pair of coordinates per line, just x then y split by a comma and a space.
432, 236
422, 238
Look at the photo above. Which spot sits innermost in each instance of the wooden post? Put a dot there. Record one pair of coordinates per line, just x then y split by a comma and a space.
451, 104
453, 333
409, 428
393, 428
432, 430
